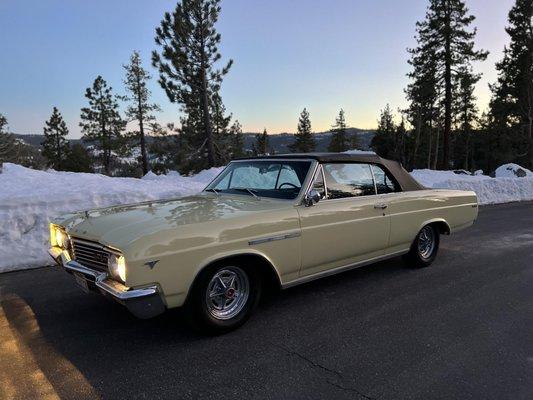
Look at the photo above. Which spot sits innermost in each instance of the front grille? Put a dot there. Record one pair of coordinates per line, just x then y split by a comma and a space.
90, 254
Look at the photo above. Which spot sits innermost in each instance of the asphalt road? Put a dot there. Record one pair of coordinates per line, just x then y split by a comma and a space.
461, 329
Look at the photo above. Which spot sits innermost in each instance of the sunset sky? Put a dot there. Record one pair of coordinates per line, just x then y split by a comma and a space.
323, 55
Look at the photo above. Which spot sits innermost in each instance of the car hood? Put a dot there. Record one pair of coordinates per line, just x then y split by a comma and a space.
119, 225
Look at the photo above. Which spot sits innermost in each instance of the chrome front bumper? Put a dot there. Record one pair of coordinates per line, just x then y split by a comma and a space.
144, 302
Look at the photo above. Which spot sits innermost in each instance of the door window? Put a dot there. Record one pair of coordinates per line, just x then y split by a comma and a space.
384, 183
348, 180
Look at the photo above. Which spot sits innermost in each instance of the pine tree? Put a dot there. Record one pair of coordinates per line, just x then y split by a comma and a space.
384, 140
55, 144
139, 109
222, 136
260, 147
237, 147
446, 44
338, 141
467, 116
8, 145
77, 159
512, 95
188, 70
101, 122
304, 140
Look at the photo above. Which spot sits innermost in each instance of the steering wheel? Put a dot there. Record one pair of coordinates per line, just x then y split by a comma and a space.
288, 183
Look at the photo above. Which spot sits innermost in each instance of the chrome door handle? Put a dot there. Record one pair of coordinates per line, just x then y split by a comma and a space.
380, 206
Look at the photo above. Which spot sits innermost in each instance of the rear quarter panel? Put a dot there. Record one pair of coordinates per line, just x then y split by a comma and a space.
410, 211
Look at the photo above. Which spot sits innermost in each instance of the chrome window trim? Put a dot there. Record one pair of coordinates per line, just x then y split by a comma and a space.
353, 197
298, 199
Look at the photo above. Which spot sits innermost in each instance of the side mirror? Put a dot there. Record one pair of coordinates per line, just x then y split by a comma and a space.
311, 198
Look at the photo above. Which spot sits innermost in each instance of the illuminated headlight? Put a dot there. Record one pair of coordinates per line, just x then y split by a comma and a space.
117, 267
58, 237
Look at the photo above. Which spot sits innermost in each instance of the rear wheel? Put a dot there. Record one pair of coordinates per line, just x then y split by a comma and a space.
223, 298
424, 248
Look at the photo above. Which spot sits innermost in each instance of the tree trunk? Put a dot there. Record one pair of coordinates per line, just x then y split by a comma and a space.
436, 156
448, 92
417, 140
207, 123
429, 143
144, 159
58, 166
530, 126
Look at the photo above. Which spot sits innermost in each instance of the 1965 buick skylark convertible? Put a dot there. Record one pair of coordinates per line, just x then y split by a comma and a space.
281, 220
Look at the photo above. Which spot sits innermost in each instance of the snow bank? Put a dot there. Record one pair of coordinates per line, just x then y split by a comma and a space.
489, 190
512, 171
30, 198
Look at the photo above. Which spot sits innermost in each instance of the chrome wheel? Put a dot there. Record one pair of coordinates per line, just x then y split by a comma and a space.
227, 293
426, 242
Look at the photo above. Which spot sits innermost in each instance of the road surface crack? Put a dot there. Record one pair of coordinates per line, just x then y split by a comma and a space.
339, 376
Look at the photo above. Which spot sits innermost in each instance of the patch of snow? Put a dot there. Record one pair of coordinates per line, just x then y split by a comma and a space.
355, 151
512, 171
489, 190
29, 199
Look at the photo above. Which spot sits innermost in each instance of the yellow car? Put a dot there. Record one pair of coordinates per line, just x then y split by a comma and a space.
284, 219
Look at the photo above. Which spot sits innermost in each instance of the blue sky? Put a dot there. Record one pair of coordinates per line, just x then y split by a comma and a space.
288, 55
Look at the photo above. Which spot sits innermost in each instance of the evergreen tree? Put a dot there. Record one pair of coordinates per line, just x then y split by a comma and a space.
384, 140
260, 147
466, 114
77, 159
423, 112
222, 136
8, 146
304, 140
400, 142
55, 144
139, 109
188, 70
237, 147
101, 122
338, 141
446, 41
512, 95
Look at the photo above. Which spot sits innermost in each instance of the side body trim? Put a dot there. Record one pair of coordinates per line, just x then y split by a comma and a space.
343, 268
274, 238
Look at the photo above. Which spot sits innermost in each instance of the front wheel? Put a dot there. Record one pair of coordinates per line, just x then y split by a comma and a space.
424, 249
223, 298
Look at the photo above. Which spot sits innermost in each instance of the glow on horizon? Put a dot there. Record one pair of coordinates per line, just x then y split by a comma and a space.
288, 55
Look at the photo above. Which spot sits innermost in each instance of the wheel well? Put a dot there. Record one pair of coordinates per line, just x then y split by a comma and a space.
268, 274
442, 227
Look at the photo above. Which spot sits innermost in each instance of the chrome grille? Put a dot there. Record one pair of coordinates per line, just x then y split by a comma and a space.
90, 254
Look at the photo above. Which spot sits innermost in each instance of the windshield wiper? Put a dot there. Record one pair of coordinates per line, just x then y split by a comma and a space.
212, 190
250, 191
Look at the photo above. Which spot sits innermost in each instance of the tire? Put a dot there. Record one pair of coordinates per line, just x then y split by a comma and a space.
424, 248
223, 298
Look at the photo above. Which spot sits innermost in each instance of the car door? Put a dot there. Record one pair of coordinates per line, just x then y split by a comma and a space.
347, 225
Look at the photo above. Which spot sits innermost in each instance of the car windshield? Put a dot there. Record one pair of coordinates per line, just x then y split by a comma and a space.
268, 178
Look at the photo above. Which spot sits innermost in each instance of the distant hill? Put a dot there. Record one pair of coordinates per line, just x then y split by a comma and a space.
278, 142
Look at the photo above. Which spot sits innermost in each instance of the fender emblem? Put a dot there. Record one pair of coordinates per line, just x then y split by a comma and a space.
151, 264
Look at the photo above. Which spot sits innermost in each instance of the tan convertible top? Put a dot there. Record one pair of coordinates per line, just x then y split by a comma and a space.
404, 179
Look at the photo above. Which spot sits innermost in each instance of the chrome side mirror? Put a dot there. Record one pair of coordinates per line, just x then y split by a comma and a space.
311, 198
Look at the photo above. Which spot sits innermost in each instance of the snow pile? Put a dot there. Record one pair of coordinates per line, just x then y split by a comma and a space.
489, 190
30, 198
513, 171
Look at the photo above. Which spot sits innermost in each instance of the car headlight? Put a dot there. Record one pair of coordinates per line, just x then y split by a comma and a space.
58, 237
117, 267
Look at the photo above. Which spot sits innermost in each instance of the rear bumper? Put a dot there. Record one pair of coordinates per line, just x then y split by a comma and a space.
143, 302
